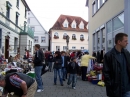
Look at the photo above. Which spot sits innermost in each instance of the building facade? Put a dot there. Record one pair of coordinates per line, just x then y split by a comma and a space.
75, 28
106, 19
13, 18
40, 34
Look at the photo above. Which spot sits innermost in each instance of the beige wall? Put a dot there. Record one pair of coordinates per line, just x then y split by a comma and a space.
62, 42
110, 9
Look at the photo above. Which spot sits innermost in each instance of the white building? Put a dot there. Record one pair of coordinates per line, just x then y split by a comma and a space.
13, 17
40, 34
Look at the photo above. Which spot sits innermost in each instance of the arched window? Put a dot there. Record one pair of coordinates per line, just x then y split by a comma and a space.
56, 34
73, 36
81, 36
64, 35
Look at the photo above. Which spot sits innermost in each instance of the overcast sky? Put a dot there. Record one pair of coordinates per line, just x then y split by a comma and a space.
48, 11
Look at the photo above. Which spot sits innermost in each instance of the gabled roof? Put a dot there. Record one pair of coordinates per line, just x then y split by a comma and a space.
59, 23
38, 21
25, 4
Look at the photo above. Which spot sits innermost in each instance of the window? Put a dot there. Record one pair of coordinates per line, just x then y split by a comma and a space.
15, 44
0, 37
17, 16
81, 36
73, 26
65, 25
57, 48
98, 4
73, 47
82, 26
64, 48
33, 29
103, 35
94, 8
118, 22
17, 3
43, 39
73, 36
28, 20
26, 12
56, 34
35, 39
98, 40
8, 6
29, 45
64, 36
110, 44
109, 27
82, 48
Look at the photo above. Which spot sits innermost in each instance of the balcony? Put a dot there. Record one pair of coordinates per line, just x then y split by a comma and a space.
56, 37
82, 39
27, 31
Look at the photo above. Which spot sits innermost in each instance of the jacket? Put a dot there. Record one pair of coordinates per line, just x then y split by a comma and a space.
85, 60
38, 60
58, 62
72, 70
112, 72
65, 61
10, 87
50, 58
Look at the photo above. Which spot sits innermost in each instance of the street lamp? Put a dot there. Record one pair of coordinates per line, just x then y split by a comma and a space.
67, 41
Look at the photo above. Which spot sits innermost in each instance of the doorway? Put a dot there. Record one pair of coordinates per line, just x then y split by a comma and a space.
7, 47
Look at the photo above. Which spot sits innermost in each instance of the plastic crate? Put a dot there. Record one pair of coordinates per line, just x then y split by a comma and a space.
94, 81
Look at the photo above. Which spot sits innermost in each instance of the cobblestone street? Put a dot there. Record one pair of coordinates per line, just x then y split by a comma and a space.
83, 89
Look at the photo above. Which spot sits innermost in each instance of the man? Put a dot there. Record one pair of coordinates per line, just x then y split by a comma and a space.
19, 83
38, 65
64, 65
116, 68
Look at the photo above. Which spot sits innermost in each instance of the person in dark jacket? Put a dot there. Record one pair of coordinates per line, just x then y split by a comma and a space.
21, 84
58, 67
73, 69
38, 65
50, 61
116, 68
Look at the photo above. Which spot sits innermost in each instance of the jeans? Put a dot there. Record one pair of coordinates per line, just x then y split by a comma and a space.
58, 71
38, 70
50, 66
64, 73
127, 94
72, 79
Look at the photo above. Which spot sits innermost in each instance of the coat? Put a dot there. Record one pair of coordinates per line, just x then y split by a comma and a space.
112, 72
85, 60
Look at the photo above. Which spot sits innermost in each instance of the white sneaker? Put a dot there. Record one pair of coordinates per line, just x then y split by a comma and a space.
40, 90
74, 88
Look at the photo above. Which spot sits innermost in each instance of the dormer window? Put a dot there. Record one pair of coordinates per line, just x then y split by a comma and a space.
66, 25
73, 26
81, 25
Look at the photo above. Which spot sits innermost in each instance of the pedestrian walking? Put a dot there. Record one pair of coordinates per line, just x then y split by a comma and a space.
73, 70
116, 68
18, 83
58, 67
38, 65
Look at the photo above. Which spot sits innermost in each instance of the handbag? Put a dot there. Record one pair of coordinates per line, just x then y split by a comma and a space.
44, 69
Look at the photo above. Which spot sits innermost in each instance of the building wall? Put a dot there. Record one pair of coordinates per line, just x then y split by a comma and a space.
39, 31
108, 10
62, 42
8, 26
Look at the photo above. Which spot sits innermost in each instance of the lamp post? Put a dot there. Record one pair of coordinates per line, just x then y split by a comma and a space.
67, 41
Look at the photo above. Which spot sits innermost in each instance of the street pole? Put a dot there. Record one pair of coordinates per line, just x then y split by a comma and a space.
67, 41
127, 20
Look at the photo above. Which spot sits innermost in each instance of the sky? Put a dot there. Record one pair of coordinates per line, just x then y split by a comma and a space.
48, 11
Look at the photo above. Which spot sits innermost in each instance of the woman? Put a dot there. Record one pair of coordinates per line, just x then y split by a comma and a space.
58, 67
50, 60
84, 64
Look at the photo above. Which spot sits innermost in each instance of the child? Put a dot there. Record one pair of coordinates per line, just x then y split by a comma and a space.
73, 70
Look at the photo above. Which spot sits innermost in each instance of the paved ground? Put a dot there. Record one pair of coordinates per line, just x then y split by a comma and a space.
83, 89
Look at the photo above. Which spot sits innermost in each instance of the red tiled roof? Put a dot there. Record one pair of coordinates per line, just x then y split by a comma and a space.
59, 23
